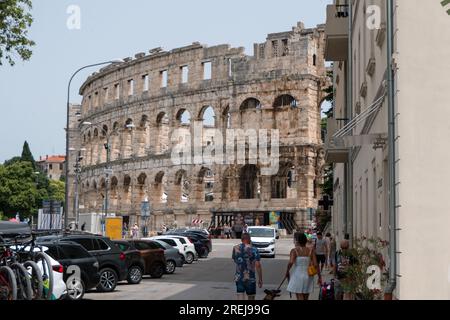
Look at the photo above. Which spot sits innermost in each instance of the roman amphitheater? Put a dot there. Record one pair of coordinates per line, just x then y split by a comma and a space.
137, 106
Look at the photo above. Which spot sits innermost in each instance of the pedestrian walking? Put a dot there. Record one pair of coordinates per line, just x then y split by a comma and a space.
227, 230
246, 228
301, 283
248, 263
321, 247
238, 231
332, 252
135, 231
344, 259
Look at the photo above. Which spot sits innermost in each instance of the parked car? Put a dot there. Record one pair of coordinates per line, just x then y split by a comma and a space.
112, 261
264, 239
185, 241
155, 256
154, 263
135, 262
202, 243
173, 258
186, 250
72, 254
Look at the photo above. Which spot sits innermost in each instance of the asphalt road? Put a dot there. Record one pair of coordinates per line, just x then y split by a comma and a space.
206, 279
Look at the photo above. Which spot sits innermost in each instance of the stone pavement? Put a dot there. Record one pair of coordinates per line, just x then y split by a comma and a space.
207, 279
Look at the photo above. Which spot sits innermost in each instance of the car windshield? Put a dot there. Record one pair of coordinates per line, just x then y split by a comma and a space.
163, 244
261, 232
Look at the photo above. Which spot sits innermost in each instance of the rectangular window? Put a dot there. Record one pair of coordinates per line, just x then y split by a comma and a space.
106, 94
145, 83
117, 91
184, 74
130, 87
50, 166
275, 48
285, 47
164, 78
207, 70
60, 166
90, 102
96, 101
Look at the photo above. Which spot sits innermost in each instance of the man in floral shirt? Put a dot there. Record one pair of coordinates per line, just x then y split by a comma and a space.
248, 262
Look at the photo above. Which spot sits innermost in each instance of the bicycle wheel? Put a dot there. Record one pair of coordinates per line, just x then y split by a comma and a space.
8, 285
23, 281
43, 261
37, 286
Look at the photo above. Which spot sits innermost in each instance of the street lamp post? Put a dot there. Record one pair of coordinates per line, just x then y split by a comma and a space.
66, 200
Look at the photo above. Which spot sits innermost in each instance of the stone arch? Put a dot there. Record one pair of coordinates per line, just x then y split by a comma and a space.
127, 139
249, 182
205, 185
162, 133
282, 184
285, 100
250, 104
141, 186
160, 193
208, 116
183, 117
143, 136
102, 145
126, 199
114, 192
115, 142
182, 186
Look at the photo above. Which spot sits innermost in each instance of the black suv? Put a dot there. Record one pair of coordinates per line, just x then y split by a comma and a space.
70, 254
112, 261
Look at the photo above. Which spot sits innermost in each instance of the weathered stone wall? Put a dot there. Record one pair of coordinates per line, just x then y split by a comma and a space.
280, 87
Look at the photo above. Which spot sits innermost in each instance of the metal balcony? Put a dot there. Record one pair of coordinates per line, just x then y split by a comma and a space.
335, 150
336, 33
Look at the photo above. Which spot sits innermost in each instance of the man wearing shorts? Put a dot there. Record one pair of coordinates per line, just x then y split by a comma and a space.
321, 250
248, 263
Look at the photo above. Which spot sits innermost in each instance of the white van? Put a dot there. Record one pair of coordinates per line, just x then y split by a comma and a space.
263, 238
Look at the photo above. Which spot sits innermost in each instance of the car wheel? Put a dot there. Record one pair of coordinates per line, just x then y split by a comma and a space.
108, 280
189, 257
75, 290
170, 267
135, 274
158, 271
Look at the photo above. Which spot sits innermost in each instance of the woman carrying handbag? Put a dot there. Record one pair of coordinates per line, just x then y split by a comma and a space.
303, 263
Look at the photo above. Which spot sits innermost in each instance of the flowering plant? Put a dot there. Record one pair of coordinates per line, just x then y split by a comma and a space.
366, 254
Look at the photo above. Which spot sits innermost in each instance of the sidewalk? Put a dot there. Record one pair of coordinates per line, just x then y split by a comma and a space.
326, 277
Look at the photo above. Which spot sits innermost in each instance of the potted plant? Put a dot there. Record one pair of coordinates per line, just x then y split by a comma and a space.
367, 253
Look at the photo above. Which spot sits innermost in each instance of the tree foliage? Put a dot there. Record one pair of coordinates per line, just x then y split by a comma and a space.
23, 188
15, 20
27, 155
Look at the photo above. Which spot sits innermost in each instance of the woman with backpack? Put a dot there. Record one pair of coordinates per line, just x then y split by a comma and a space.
303, 262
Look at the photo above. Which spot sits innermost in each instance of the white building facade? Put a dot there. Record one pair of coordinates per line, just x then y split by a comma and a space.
360, 152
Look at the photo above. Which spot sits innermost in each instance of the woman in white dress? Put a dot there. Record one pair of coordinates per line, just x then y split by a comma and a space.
301, 258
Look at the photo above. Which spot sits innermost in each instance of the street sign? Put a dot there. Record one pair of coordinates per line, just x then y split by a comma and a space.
109, 171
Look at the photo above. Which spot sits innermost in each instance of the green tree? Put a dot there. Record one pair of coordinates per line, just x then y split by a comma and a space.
56, 190
18, 191
27, 155
15, 20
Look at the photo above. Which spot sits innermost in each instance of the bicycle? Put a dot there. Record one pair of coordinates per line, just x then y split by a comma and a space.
37, 260
9, 263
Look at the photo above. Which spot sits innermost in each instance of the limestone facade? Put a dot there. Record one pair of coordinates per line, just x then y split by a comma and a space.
138, 105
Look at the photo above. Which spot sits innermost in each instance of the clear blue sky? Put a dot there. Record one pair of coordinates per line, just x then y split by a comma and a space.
33, 94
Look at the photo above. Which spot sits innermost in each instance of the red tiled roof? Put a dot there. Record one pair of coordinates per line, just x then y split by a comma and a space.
53, 159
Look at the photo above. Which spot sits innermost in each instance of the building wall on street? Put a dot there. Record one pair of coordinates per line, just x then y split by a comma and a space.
423, 46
